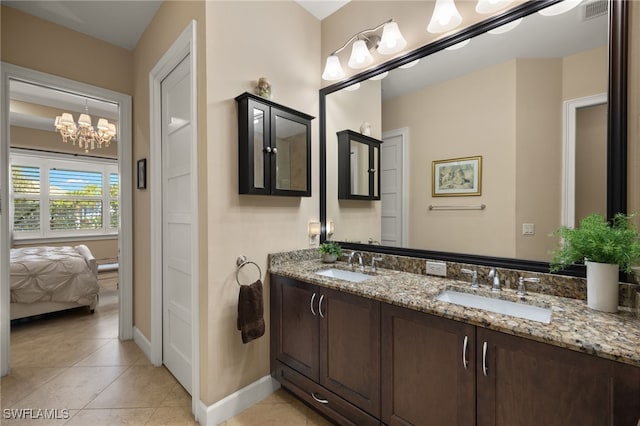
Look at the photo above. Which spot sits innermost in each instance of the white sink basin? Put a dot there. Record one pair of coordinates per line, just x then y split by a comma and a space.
499, 306
354, 277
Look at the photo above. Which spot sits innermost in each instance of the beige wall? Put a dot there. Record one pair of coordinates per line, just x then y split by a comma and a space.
35, 43
538, 159
355, 220
576, 83
484, 98
247, 224
168, 23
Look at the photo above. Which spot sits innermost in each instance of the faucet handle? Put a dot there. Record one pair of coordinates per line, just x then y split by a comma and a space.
373, 263
474, 276
522, 291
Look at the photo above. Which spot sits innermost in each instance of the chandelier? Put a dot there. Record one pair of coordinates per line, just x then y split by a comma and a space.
84, 133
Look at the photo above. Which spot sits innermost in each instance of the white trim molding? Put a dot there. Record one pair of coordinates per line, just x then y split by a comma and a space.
141, 340
184, 46
569, 113
13, 72
237, 402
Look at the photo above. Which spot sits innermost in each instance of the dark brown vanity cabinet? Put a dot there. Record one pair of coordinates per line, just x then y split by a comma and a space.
444, 372
325, 348
428, 369
358, 166
274, 148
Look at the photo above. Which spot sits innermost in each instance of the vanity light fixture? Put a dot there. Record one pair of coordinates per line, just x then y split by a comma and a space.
460, 45
364, 43
380, 76
314, 231
445, 17
490, 6
353, 87
410, 64
331, 228
559, 8
506, 27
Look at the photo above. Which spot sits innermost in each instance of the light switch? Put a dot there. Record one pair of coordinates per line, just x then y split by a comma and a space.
528, 229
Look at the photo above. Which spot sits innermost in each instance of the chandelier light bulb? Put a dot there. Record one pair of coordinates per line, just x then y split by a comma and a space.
445, 17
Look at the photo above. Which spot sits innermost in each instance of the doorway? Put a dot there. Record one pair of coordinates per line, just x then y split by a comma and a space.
394, 188
12, 73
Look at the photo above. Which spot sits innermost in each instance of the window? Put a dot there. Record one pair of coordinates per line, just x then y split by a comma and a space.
62, 196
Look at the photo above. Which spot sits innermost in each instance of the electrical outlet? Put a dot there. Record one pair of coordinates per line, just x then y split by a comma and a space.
436, 268
528, 229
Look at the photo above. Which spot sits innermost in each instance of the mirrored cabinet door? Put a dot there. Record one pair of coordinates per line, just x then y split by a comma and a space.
358, 166
291, 171
274, 148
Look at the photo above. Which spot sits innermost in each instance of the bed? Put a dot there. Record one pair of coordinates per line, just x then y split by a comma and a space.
50, 279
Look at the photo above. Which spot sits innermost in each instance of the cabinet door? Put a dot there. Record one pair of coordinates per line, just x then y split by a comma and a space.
294, 325
350, 348
254, 173
428, 369
374, 172
526, 383
290, 154
359, 168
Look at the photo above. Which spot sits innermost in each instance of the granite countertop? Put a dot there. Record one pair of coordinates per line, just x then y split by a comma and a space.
573, 325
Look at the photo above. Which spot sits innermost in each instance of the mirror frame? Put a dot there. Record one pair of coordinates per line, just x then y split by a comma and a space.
616, 131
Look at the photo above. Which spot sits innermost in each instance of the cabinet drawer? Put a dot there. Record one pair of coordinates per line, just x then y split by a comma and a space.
334, 407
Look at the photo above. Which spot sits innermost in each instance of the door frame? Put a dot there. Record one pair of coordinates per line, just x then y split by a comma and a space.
183, 46
569, 114
403, 132
125, 233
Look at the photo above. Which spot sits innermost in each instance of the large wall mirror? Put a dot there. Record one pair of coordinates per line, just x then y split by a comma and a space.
537, 113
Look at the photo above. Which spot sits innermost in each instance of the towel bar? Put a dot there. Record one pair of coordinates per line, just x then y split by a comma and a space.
478, 207
241, 262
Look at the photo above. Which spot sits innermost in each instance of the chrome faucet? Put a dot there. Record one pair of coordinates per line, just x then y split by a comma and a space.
374, 269
522, 291
474, 276
493, 274
350, 261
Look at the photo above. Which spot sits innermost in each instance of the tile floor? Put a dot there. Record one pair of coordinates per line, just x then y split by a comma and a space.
74, 365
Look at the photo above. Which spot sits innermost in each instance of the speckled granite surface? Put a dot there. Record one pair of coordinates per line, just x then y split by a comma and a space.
573, 325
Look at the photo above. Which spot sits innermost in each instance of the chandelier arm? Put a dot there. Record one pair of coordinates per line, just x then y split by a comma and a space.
361, 33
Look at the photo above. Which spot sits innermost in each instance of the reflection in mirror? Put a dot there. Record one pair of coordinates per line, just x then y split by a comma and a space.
291, 154
359, 168
503, 97
258, 148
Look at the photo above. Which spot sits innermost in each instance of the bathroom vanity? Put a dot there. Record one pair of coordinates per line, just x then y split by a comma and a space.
386, 351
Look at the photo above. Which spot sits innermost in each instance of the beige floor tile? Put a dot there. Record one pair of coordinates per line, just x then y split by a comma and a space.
139, 387
177, 397
114, 353
172, 416
270, 415
316, 419
112, 417
72, 389
280, 396
21, 381
50, 352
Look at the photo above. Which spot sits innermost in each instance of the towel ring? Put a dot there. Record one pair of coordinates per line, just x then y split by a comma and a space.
241, 262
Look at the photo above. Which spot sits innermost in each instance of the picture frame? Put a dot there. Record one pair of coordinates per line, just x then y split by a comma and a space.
457, 177
142, 174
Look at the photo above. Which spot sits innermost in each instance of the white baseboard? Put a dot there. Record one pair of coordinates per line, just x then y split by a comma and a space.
143, 343
237, 402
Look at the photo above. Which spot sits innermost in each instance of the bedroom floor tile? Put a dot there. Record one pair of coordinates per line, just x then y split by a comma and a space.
59, 353
114, 353
110, 417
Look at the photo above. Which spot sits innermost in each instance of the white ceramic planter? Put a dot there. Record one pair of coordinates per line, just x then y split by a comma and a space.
602, 286
329, 258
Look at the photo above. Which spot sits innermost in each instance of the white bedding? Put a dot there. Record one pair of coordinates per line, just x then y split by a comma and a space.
58, 274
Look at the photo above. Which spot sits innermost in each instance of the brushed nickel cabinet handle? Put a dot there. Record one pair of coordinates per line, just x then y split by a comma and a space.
267, 150
320, 306
311, 304
484, 359
465, 362
274, 150
320, 400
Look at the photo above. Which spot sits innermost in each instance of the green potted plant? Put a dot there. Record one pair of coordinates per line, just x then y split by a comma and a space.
330, 252
605, 248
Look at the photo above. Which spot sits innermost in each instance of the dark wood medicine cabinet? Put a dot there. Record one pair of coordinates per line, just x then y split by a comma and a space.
274, 148
358, 166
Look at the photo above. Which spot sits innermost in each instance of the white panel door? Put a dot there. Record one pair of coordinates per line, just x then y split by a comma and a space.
391, 190
177, 222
